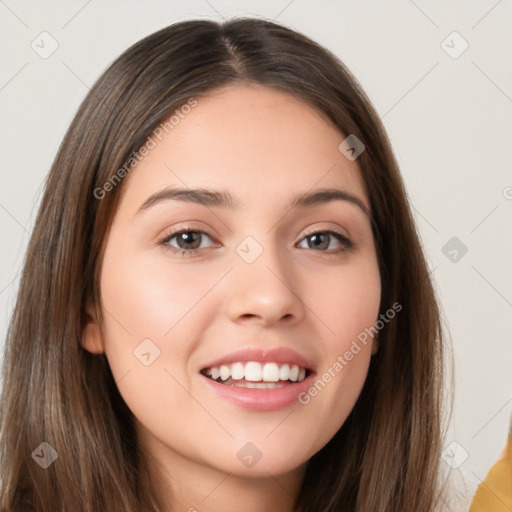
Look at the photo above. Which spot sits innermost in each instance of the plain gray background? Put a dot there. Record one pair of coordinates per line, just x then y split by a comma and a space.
448, 112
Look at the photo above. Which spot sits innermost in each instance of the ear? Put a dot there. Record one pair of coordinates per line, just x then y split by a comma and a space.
92, 339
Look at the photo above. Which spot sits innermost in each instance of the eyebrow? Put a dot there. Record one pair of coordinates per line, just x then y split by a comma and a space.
222, 199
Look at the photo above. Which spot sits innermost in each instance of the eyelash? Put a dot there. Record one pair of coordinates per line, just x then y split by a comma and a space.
346, 243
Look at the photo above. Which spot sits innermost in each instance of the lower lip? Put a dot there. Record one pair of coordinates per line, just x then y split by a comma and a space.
254, 399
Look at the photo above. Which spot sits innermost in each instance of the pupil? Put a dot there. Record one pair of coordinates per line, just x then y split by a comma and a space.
188, 239
319, 240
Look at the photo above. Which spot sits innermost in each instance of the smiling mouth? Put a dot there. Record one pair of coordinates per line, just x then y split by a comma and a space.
257, 375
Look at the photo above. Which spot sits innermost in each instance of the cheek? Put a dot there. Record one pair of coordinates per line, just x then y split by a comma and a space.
348, 308
147, 297
151, 326
347, 302
144, 309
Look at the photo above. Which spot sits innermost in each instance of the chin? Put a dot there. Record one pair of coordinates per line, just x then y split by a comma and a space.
261, 457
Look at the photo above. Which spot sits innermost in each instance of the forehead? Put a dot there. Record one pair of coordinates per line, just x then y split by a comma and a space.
258, 142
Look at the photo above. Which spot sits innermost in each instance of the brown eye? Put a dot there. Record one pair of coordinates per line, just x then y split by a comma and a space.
186, 241
319, 241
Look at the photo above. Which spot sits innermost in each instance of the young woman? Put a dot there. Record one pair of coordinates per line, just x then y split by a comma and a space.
224, 303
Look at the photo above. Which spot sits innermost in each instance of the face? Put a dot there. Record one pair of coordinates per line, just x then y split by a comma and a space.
245, 281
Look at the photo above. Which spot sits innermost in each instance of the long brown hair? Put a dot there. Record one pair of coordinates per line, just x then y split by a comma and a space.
385, 456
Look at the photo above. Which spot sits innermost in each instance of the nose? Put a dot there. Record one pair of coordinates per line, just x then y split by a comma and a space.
265, 291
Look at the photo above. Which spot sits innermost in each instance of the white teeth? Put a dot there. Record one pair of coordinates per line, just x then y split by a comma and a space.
294, 373
253, 372
224, 372
271, 372
284, 372
237, 371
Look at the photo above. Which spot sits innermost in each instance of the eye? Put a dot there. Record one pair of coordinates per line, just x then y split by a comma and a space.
185, 242
322, 240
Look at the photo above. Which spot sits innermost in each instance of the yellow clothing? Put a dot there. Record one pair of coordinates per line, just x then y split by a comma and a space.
494, 494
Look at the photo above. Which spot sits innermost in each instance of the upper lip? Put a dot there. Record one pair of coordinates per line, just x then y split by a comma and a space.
275, 355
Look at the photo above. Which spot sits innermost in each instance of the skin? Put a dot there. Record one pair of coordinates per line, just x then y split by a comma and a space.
263, 147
